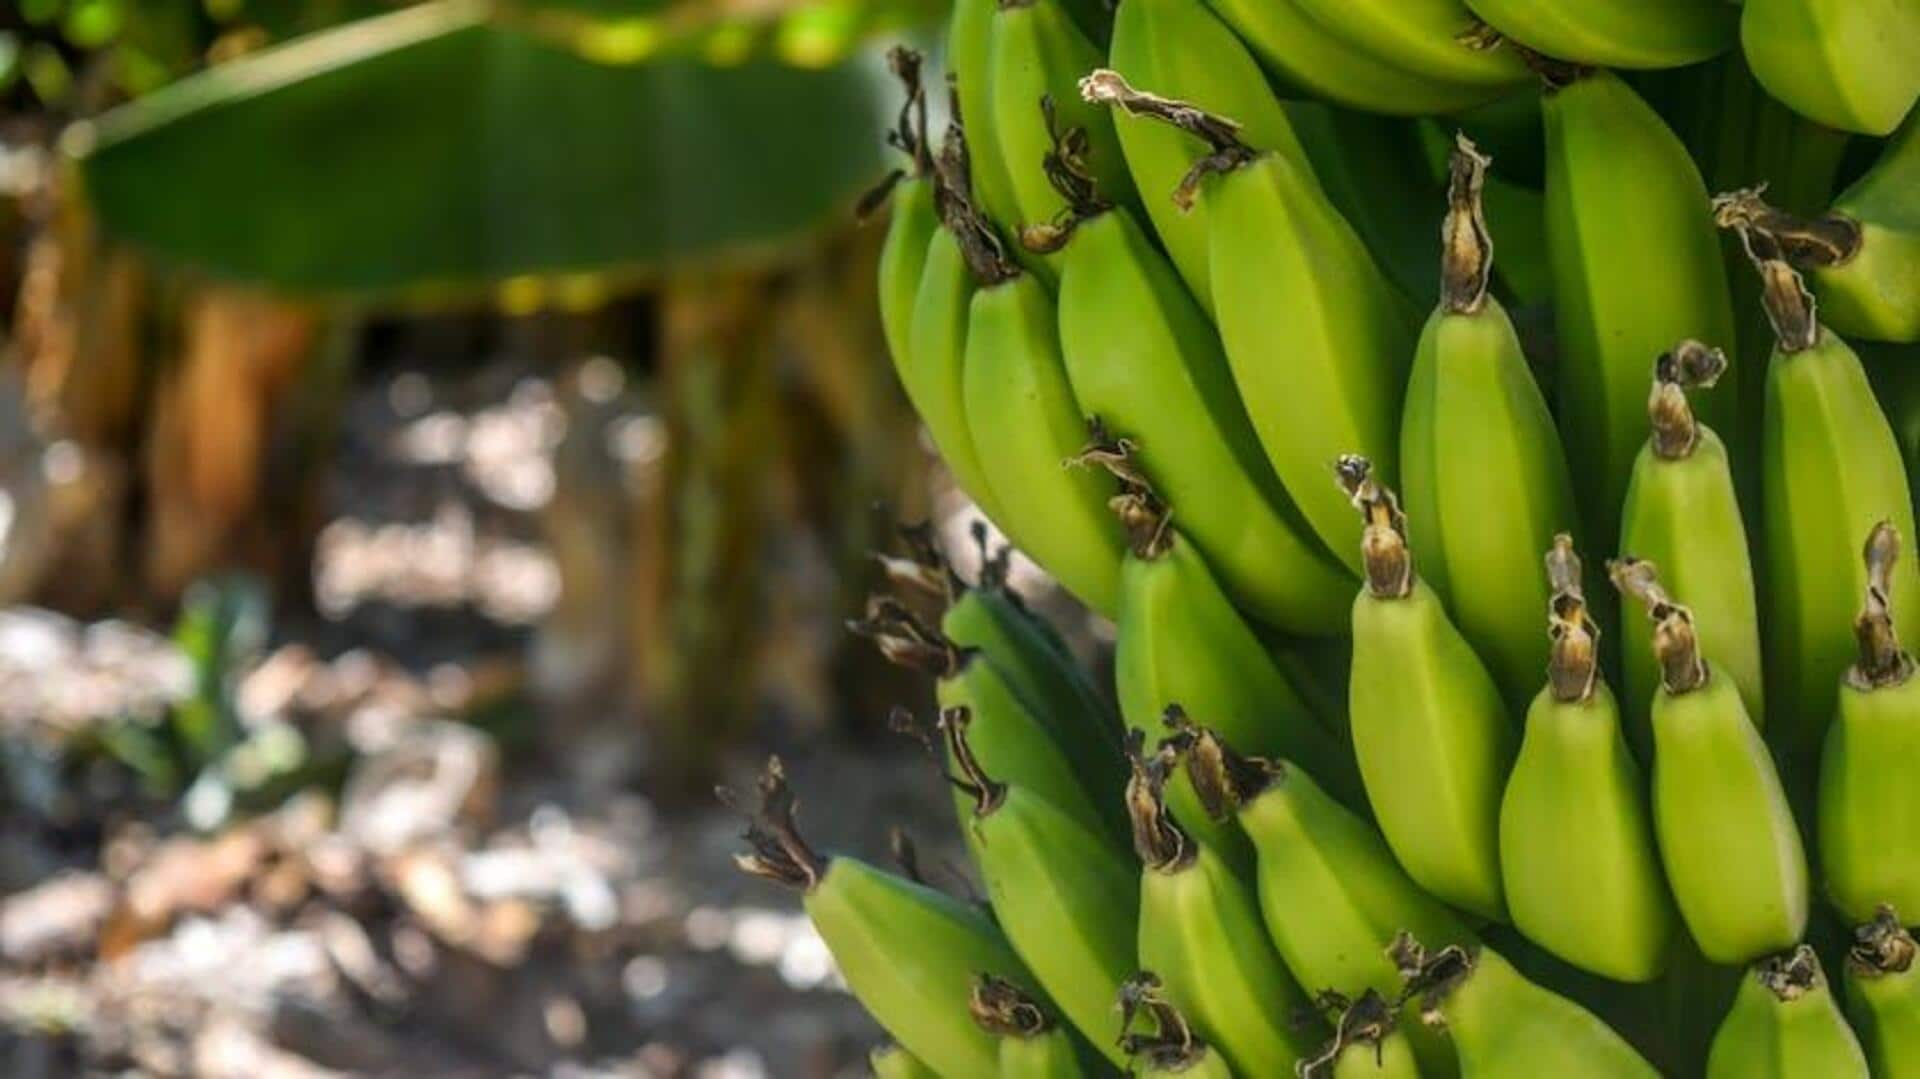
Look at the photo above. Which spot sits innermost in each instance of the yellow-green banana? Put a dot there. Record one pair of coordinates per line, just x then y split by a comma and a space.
1850, 64
908, 952
1432, 736
1068, 902
1486, 480
1200, 932
893, 1061
1145, 361
1882, 989
970, 62
1598, 901
1172, 1048
913, 220
1315, 335
1869, 805
1032, 1044
1785, 1022
1437, 39
1732, 852
1506, 1027
1682, 514
1636, 267
1367, 1042
1616, 33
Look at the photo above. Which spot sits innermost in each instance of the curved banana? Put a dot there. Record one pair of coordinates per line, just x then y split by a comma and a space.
908, 952
1032, 1044
893, 1061
1636, 267
913, 221
1436, 39
1364, 162
1830, 469
1785, 1022
1182, 49
1882, 989
1067, 901
1432, 736
1727, 837
1486, 480
930, 367
1315, 335
1201, 933
970, 61
1172, 1049
1598, 902
1367, 1042
1616, 33
1869, 815
1682, 514
1506, 1027
1144, 360
1850, 64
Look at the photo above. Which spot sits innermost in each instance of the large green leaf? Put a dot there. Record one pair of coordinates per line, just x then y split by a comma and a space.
446, 146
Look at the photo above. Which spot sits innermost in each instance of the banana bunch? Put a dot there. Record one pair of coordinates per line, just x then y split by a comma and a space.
1509, 670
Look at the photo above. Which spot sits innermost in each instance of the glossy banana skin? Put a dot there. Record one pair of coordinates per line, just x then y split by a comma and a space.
893, 1061
1316, 336
1419, 36
1831, 469
1869, 816
1181, 49
1434, 744
970, 59
902, 257
1850, 64
1616, 33
1727, 837
931, 366
1636, 267
1875, 294
1883, 1001
1506, 1027
1026, 425
1487, 488
1765, 1036
1143, 358
1598, 901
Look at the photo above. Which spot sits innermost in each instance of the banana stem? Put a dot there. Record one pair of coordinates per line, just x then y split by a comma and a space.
1227, 151
954, 204
1161, 844
1466, 251
1688, 365
1808, 243
1383, 543
1431, 976
1790, 975
1223, 780
1573, 660
1882, 661
1790, 308
1002, 1009
1146, 518
1675, 645
1366, 1021
907, 135
1882, 946
1173, 1046
906, 640
987, 794
1065, 167
778, 852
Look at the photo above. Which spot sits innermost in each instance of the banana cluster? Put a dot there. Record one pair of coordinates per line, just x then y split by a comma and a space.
1375, 793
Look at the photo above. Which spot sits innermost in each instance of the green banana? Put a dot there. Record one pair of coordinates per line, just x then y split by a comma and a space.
1068, 902
1367, 1042
1200, 932
1436, 39
1144, 360
1732, 852
1181, 48
908, 952
970, 61
1503, 1025
1298, 51
1682, 514
1785, 1022
1598, 901
892, 1061
1882, 989
1032, 1044
903, 255
1331, 893
1291, 279
1830, 468
1487, 481
1173, 1049
1364, 163
1432, 736
1850, 64
1616, 33
1869, 815
1025, 424
1636, 267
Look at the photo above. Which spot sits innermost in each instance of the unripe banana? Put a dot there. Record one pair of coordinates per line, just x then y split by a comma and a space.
1201, 933
892, 1061
1785, 1022
1636, 267
1616, 33
1436, 39
970, 62
1869, 813
1432, 736
1598, 901
1143, 358
1850, 64
1032, 1044
1067, 901
1727, 837
1363, 162
1486, 478
1367, 1043
914, 220
1882, 983
1506, 1027
1172, 1049
1291, 279
909, 953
